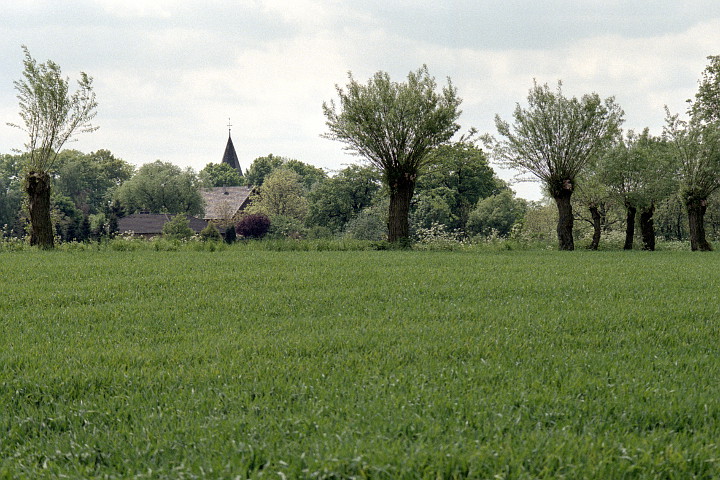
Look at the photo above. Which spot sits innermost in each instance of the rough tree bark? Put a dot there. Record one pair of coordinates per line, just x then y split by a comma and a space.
565, 216
696, 218
596, 222
629, 227
647, 228
37, 186
401, 191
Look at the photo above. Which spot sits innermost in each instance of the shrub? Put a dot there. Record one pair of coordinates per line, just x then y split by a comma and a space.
230, 234
178, 228
286, 227
255, 225
210, 233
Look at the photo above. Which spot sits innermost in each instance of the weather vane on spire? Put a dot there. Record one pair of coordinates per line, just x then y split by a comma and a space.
229, 125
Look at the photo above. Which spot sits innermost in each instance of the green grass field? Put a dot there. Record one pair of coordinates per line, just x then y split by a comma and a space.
379, 364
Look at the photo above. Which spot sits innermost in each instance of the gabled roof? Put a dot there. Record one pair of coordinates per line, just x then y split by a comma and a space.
152, 223
224, 202
230, 157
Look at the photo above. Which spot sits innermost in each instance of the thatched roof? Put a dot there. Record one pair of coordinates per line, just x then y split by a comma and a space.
224, 202
152, 223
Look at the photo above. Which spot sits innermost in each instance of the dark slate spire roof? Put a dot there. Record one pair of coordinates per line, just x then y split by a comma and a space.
230, 157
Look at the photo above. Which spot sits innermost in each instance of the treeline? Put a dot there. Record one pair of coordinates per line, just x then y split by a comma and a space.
458, 196
459, 191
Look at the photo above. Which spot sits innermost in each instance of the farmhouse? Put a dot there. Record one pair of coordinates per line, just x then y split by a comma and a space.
221, 205
151, 224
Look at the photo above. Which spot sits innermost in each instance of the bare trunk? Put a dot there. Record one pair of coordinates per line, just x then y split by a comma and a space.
401, 191
629, 227
37, 186
696, 219
597, 222
565, 220
647, 228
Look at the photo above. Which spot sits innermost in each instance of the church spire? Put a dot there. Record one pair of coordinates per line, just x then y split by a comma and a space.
230, 157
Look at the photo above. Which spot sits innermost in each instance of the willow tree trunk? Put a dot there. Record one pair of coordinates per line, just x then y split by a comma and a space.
401, 192
597, 223
565, 220
629, 227
696, 220
37, 186
647, 228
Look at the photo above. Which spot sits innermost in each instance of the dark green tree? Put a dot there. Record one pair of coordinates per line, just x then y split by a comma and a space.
394, 126
219, 175
264, 166
640, 172
161, 187
497, 213
90, 179
335, 201
10, 190
455, 178
261, 167
555, 138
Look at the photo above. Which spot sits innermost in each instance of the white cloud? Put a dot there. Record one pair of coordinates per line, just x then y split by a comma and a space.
169, 73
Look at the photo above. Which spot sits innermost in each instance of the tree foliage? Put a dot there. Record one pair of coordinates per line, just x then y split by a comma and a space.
178, 228
335, 201
161, 187
455, 178
219, 175
90, 179
11, 192
554, 139
50, 115
706, 107
281, 194
394, 126
264, 166
254, 225
496, 214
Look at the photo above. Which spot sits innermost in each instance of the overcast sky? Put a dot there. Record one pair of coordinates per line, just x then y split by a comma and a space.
168, 74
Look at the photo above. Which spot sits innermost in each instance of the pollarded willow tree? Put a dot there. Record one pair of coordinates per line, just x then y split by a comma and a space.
696, 147
640, 172
554, 139
394, 126
51, 116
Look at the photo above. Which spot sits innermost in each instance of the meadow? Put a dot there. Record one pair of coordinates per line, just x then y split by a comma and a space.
242, 363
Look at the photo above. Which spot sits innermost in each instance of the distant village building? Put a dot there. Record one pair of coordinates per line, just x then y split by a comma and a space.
222, 204
151, 224
226, 203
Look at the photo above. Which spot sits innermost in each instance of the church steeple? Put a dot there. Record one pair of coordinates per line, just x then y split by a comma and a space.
230, 157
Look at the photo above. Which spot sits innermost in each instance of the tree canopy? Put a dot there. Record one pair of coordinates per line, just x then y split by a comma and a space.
455, 178
281, 194
394, 126
161, 187
51, 115
335, 201
264, 166
219, 175
554, 139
